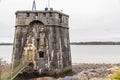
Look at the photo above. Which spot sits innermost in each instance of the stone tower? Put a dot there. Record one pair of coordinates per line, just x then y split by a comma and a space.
48, 32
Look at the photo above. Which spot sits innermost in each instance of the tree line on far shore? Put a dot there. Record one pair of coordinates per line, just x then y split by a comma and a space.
6, 43
95, 43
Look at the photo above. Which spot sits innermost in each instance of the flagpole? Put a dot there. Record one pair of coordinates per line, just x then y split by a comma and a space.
48, 4
34, 6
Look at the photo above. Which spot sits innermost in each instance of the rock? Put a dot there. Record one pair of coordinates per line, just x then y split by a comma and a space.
90, 72
45, 78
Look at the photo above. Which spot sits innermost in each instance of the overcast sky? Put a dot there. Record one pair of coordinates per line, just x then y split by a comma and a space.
90, 20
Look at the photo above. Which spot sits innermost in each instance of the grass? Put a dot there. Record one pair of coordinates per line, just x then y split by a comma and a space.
115, 75
4, 69
5, 73
66, 71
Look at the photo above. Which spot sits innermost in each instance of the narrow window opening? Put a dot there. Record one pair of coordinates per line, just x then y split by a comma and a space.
16, 15
60, 17
36, 14
37, 43
50, 14
41, 54
28, 14
44, 14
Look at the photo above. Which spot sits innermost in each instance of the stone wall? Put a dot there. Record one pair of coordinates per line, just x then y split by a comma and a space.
48, 31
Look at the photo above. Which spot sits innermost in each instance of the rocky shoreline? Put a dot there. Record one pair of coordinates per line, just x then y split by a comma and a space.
88, 72
91, 71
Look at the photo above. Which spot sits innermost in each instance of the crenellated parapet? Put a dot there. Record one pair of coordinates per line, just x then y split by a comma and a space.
24, 18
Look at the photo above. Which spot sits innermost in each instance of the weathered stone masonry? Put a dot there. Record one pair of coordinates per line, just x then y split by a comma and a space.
49, 32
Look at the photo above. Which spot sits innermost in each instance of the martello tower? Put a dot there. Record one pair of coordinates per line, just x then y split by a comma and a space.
47, 33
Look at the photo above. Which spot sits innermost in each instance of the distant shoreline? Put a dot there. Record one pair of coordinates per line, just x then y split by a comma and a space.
81, 43
6, 44
95, 43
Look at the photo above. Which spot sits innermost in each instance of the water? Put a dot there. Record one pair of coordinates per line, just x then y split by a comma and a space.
6, 52
95, 53
81, 53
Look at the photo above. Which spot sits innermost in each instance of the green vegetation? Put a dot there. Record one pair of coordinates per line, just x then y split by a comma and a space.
16, 71
4, 69
66, 72
58, 73
115, 75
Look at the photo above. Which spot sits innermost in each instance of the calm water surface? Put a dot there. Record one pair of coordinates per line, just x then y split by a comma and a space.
81, 53
95, 53
6, 52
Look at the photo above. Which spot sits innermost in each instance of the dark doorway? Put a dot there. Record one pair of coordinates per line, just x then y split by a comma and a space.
41, 54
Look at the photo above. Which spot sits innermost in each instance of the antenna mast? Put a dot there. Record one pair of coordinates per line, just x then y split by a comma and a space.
48, 4
34, 6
